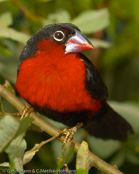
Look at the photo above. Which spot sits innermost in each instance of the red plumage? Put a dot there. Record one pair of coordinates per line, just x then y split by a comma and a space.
49, 79
63, 84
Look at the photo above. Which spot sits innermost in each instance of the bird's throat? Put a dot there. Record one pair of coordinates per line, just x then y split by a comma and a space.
56, 80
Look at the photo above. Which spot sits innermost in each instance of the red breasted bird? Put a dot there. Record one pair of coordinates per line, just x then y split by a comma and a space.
61, 83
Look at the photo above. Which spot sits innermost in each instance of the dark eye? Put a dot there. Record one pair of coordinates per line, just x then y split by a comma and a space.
59, 35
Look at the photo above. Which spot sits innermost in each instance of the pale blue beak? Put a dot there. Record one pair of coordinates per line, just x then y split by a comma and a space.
78, 43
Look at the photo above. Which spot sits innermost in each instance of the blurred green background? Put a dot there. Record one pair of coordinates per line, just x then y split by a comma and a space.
113, 28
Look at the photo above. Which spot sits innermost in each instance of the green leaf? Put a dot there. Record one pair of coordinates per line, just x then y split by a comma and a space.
6, 19
8, 64
60, 16
30, 154
3, 0
11, 33
81, 171
92, 21
66, 153
5, 164
24, 124
99, 43
16, 152
10, 128
56, 145
82, 159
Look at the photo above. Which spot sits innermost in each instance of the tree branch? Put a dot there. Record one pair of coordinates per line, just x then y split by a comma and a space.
26, 12
52, 130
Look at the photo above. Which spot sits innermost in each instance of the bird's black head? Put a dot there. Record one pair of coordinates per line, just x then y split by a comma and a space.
59, 32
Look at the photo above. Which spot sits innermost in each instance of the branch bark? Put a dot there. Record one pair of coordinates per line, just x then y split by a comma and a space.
52, 130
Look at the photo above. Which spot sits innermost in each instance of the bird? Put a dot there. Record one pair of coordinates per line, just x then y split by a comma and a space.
60, 82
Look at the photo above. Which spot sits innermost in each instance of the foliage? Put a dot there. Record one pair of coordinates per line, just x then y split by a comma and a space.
82, 160
118, 63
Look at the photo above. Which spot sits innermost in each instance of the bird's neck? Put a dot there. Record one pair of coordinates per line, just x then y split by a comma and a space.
53, 54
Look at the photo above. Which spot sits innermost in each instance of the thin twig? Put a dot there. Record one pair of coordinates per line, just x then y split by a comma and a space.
43, 143
7, 113
52, 130
25, 11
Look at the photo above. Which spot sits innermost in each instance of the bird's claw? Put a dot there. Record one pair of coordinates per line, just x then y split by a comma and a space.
25, 112
69, 133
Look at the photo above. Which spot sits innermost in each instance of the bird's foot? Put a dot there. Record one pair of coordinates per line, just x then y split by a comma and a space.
25, 112
69, 133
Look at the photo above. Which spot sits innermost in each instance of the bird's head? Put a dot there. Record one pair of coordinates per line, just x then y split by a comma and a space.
59, 35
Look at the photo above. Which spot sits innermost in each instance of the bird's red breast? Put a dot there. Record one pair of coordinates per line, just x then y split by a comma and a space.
54, 79
61, 83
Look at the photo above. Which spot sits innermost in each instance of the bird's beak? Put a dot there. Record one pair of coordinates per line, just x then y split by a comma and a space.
78, 43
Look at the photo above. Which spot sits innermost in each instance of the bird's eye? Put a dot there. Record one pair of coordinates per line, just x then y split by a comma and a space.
59, 35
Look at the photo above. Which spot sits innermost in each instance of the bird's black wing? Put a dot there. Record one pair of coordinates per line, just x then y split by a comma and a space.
94, 84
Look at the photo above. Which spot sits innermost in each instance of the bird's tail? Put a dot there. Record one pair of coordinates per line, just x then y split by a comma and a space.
108, 124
